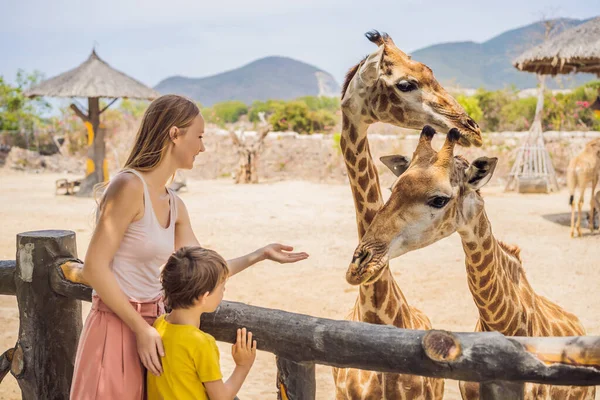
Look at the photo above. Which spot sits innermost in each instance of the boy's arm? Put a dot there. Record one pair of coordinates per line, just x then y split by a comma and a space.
219, 390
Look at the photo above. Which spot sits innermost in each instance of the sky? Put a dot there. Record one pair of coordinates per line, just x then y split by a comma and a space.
154, 39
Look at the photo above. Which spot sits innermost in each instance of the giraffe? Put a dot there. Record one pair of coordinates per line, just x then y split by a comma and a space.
437, 194
583, 170
388, 86
248, 151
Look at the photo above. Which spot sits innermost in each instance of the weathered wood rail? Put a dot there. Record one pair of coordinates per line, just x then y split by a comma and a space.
46, 278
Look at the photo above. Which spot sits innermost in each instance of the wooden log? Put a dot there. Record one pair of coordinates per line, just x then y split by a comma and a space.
479, 357
5, 362
502, 390
7, 277
295, 381
50, 324
66, 279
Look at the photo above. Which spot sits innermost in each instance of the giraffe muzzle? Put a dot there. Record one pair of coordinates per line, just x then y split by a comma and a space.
359, 270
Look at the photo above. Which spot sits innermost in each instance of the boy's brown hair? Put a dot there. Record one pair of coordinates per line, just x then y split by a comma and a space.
191, 272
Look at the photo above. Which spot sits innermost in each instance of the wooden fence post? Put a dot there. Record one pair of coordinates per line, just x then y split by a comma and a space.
502, 390
295, 381
50, 324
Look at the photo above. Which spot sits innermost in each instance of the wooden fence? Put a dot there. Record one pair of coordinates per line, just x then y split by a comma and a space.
46, 279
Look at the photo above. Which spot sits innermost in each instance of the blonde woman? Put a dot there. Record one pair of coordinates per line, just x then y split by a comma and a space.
140, 223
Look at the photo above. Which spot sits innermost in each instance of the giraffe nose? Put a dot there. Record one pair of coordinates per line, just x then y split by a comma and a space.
472, 124
362, 257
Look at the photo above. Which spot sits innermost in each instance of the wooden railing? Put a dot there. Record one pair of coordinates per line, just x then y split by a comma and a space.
46, 279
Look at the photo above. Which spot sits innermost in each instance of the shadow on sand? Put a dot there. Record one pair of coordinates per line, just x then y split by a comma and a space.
564, 219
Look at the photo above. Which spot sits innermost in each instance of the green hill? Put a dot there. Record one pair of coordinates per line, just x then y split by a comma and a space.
489, 64
267, 78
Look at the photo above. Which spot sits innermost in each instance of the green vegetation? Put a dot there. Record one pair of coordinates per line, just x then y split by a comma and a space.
306, 114
21, 123
17, 112
225, 112
503, 110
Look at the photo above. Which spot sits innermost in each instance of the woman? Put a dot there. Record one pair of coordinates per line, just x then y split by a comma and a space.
139, 224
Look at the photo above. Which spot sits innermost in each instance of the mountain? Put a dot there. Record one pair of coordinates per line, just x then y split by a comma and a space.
489, 64
267, 78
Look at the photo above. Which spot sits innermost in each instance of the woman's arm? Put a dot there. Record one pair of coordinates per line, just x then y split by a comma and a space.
122, 205
184, 236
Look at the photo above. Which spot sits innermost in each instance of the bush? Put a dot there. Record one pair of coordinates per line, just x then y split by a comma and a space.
471, 106
225, 112
297, 116
268, 107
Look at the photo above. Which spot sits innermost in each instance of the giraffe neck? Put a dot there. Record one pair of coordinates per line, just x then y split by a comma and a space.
364, 180
381, 302
494, 278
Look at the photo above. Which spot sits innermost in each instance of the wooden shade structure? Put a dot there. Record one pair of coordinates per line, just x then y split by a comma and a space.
571, 51
93, 79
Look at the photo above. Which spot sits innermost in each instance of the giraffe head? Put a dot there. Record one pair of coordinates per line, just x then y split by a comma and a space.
435, 194
388, 86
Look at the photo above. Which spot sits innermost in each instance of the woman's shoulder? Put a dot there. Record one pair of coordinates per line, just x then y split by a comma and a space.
180, 207
126, 182
124, 187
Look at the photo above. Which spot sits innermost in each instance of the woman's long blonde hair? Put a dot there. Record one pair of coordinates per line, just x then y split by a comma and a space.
152, 140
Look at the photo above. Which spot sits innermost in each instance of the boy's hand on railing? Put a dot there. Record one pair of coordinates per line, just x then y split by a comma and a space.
244, 349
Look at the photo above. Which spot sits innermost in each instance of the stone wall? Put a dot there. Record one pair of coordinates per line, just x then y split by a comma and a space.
290, 156
318, 157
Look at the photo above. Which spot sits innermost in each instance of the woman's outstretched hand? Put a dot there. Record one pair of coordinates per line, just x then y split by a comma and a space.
281, 253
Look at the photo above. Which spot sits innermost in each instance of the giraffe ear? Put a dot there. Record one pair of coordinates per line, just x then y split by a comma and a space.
396, 163
369, 71
480, 172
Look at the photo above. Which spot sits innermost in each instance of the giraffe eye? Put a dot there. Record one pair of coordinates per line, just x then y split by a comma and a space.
406, 86
438, 201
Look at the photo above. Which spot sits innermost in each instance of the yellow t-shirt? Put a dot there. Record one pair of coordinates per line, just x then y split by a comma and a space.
191, 358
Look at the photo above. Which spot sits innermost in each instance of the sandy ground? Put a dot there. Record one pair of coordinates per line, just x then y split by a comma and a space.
319, 219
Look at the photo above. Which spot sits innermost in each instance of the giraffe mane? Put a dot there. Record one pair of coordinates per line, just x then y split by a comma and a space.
517, 268
350, 74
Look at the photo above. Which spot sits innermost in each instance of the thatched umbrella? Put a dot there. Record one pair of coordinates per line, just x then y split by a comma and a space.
574, 50
93, 79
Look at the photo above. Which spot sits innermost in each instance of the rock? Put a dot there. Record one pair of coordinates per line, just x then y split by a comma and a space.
31, 161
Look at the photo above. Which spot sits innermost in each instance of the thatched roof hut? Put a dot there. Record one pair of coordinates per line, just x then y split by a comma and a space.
93, 78
574, 50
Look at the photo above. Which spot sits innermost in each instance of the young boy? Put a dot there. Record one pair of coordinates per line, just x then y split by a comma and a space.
193, 280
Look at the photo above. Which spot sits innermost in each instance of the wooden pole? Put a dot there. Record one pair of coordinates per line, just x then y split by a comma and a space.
295, 381
50, 324
7, 280
97, 149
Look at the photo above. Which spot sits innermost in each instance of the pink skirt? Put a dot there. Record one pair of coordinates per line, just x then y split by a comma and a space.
107, 365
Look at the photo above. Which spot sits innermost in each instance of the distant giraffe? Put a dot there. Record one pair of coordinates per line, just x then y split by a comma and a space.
583, 170
248, 151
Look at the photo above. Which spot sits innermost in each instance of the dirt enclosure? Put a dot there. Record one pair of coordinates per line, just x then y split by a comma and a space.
319, 219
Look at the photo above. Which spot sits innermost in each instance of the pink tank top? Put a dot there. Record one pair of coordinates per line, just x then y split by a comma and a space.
145, 247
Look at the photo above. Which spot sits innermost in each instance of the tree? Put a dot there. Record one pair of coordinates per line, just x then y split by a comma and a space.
17, 111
